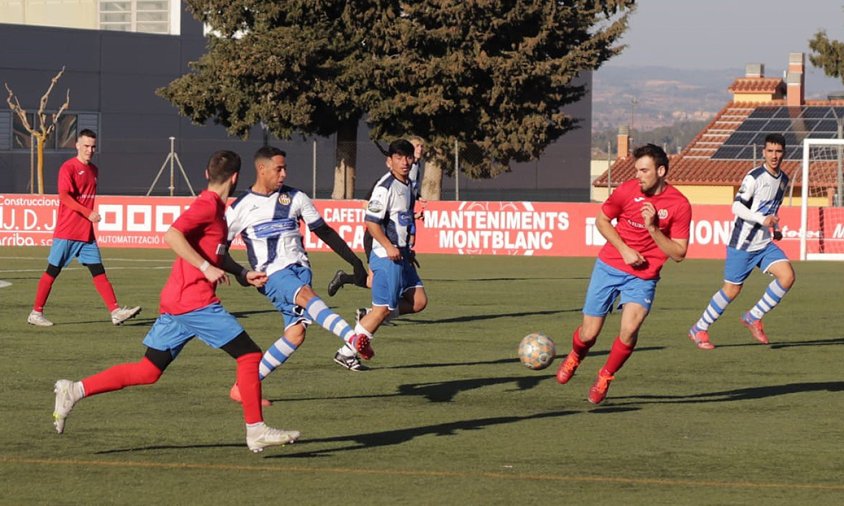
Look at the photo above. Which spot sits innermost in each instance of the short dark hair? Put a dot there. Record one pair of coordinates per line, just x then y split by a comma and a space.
222, 165
655, 152
87, 133
775, 139
400, 147
267, 152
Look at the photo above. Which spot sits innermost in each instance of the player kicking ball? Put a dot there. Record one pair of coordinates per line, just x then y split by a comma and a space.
190, 308
267, 219
653, 220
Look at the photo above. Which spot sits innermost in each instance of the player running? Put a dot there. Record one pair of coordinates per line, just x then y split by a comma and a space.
74, 237
755, 206
267, 219
190, 308
653, 225
396, 287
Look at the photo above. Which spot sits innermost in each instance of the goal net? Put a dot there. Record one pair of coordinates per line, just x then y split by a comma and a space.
822, 213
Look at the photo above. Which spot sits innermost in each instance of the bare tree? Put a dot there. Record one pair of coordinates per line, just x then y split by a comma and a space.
45, 126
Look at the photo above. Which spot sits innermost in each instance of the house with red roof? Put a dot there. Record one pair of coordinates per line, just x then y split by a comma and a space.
710, 168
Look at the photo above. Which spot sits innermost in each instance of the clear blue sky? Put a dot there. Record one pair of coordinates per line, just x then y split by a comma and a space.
726, 34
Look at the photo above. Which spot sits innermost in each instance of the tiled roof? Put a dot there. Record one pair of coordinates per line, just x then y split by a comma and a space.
695, 165
767, 85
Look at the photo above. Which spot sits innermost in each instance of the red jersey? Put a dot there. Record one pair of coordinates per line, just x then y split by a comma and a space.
674, 215
77, 191
204, 227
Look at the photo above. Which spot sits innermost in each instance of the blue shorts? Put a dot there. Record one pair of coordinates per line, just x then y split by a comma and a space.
740, 263
391, 279
607, 283
212, 324
282, 288
63, 251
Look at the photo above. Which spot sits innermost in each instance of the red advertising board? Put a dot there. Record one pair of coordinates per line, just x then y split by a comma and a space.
460, 228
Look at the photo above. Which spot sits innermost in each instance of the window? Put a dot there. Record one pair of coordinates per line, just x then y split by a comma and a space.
14, 136
147, 16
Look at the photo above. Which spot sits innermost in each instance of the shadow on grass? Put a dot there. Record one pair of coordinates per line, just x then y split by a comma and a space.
817, 342
512, 360
400, 436
475, 318
366, 440
172, 447
446, 391
739, 394
836, 341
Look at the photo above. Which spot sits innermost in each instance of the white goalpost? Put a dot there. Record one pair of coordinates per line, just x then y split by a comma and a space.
821, 206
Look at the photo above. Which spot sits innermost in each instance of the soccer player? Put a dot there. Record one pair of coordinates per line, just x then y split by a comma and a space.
755, 206
74, 234
396, 287
415, 175
190, 308
653, 220
267, 218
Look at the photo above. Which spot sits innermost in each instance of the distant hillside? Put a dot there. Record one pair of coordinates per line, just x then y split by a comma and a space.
665, 105
672, 138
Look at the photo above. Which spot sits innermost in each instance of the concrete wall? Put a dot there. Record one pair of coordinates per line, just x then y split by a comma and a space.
116, 74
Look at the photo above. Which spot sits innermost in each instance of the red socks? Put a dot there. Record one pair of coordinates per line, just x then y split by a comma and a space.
250, 386
103, 286
45, 284
619, 354
579, 347
122, 375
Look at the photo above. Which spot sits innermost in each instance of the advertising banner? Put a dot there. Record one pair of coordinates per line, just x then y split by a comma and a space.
458, 228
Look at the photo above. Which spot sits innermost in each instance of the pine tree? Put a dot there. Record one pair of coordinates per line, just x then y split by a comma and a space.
492, 75
827, 54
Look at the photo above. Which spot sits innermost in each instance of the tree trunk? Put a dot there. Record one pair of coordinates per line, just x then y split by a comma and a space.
39, 149
346, 153
432, 180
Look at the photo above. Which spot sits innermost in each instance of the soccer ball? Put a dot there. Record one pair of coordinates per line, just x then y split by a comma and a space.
537, 351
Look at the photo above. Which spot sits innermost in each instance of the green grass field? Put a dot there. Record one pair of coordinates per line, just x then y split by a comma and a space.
446, 415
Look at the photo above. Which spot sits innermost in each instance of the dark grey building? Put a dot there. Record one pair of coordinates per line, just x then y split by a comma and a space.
112, 78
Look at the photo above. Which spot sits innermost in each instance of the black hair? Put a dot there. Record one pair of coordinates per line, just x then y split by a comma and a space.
655, 152
87, 133
775, 139
401, 147
267, 152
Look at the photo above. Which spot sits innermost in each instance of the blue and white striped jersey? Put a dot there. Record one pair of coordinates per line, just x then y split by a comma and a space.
391, 206
269, 225
759, 196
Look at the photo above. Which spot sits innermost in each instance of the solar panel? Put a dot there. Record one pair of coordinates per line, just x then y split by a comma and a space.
763, 113
727, 152
794, 123
751, 125
815, 112
788, 112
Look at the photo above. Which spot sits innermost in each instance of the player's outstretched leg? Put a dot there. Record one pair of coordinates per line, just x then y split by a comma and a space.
68, 394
